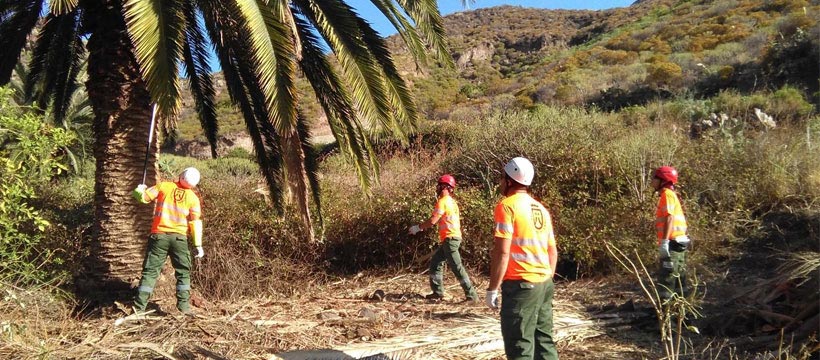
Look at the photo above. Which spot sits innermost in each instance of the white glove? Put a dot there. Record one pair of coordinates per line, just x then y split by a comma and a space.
663, 249
199, 252
138, 192
413, 230
492, 299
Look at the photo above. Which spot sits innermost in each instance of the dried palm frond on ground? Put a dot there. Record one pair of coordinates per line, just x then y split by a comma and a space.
473, 337
342, 315
359, 315
785, 307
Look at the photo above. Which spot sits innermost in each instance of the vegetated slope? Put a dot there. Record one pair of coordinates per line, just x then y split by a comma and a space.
517, 57
627, 56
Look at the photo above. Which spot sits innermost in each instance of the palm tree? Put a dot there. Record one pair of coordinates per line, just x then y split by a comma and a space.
134, 51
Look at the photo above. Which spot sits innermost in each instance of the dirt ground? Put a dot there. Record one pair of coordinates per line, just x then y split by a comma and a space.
378, 315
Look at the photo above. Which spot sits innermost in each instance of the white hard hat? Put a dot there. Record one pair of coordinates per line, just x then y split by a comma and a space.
521, 170
189, 177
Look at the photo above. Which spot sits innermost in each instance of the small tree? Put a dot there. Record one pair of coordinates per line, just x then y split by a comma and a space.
673, 313
29, 156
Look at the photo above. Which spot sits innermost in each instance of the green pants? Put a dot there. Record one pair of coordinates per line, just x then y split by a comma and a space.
159, 247
448, 252
526, 320
672, 272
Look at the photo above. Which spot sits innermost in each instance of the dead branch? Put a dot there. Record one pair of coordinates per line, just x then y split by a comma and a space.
150, 346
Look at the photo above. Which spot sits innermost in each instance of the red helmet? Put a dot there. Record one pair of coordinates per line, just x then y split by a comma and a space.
667, 174
448, 180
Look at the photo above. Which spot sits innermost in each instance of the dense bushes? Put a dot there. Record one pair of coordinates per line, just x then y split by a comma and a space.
592, 173
29, 157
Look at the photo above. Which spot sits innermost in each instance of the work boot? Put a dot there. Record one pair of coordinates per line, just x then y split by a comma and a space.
434, 296
469, 301
189, 313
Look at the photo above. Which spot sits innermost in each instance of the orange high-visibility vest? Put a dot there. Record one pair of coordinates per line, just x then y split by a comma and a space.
528, 225
669, 205
174, 208
449, 224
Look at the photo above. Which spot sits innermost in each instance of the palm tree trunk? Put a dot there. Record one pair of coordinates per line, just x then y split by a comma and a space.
121, 124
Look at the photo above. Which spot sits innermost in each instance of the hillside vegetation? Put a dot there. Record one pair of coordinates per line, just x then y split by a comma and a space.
515, 57
629, 56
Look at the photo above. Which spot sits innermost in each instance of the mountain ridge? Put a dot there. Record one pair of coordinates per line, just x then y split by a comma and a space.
615, 58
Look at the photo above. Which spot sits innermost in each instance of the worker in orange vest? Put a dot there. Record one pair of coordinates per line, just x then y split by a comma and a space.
446, 215
670, 226
177, 213
522, 265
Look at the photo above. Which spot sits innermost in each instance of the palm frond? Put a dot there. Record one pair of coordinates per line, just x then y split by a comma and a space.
252, 108
334, 100
55, 62
17, 83
400, 97
405, 29
261, 47
78, 113
156, 28
39, 57
311, 166
65, 86
271, 149
467, 3
338, 24
60, 7
200, 81
17, 20
428, 20
71, 64
278, 19
231, 45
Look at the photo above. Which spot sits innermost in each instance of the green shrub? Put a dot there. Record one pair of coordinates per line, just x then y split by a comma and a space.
239, 152
472, 91
634, 115
789, 104
29, 157
737, 105
662, 73
683, 110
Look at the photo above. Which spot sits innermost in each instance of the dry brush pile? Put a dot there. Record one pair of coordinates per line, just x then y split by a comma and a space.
358, 316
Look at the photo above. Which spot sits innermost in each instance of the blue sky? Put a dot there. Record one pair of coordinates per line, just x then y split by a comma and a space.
369, 12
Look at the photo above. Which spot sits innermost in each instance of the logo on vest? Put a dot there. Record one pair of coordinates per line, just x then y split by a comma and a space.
179, 194
537, 217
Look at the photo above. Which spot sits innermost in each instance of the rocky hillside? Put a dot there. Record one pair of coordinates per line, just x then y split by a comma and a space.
518, 57
512, 56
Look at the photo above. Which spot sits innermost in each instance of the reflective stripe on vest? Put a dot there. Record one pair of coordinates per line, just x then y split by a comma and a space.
448, 222
530, 242
537, 259
503, 227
